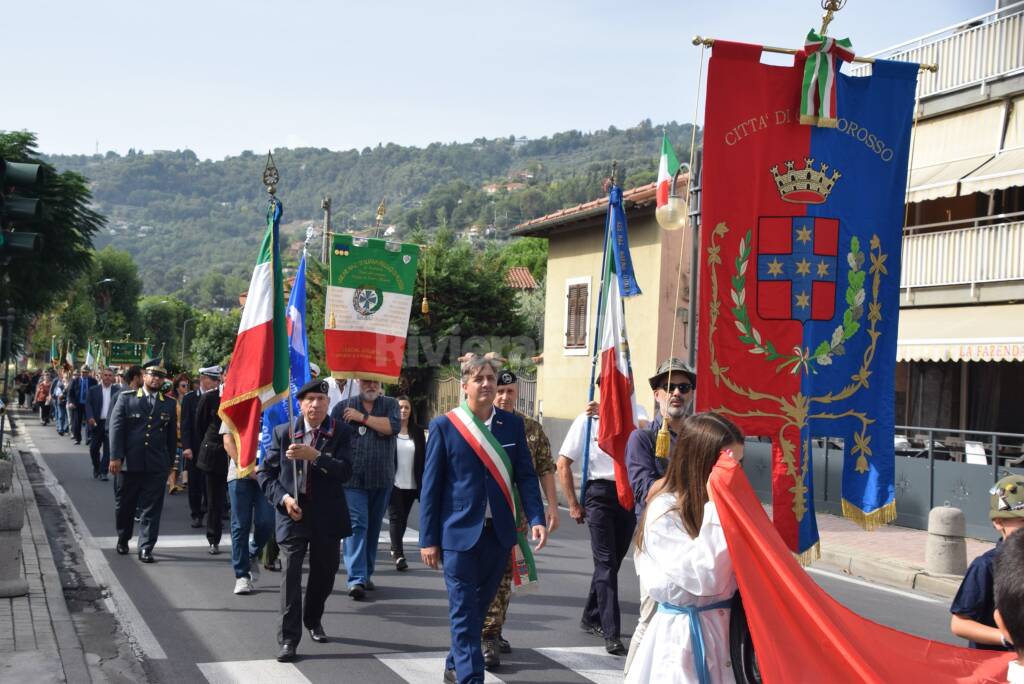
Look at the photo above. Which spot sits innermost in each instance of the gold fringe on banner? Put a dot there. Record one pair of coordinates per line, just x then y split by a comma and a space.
873, 520
810, 555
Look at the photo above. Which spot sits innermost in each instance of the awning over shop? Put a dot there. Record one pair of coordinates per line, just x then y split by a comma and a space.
962, 333
950, 147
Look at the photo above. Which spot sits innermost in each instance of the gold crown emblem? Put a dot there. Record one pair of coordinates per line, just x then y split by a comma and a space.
806, 185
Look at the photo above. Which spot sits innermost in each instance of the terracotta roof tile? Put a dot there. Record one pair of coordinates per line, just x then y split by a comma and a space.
520, 278
641, 195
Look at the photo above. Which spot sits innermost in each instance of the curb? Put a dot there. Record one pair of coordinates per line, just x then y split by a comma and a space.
856, 563
69, 648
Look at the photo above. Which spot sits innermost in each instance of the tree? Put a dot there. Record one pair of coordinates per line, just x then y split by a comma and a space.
529, 252
34, 282
215, 337
115, 287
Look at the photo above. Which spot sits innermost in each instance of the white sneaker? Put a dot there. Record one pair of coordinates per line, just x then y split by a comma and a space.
243, 585
254, 568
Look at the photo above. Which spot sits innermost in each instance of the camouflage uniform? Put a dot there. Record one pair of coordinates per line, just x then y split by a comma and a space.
540, 449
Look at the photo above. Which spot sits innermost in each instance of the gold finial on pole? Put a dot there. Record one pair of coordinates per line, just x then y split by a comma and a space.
830, 7
270, 175
380, 213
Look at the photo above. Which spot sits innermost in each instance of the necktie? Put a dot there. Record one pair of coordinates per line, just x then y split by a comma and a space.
306, 488
83, 386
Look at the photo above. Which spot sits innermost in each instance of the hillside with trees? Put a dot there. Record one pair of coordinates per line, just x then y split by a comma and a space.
192, 225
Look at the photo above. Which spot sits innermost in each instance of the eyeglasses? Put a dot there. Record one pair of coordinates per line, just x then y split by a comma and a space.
683, 387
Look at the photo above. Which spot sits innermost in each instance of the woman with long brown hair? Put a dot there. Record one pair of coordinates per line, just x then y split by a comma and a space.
683, 561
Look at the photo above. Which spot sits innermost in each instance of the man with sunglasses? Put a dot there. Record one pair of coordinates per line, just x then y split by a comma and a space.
673, 386
143, 444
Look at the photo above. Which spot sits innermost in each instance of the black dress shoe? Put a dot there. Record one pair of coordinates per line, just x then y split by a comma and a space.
450, 677
197, 523
146, 556
214, 549
318, 635
591, 628
614, 646
122, 549
490, 652
104, 478
503, 645
401, 564
357, 592
287, 653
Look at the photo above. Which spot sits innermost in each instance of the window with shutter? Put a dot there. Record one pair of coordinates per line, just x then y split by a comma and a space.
576, 317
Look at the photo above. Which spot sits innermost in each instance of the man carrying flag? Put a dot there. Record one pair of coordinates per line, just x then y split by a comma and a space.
259, 362
478, 474
607, 496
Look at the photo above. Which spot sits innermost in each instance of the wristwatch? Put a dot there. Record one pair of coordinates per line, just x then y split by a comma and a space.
366, 417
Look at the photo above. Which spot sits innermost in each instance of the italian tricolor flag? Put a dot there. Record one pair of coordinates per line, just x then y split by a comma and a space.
616, 417
667, 168
258, 376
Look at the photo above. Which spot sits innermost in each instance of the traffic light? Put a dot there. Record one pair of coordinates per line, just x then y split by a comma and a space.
16, 207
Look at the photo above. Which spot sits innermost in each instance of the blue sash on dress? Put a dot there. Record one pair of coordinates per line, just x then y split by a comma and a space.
696, 631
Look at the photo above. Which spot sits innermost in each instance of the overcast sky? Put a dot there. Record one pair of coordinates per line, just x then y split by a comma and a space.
222, 76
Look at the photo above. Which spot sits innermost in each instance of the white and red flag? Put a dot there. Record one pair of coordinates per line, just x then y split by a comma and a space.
258, 374
616, 415
667, 167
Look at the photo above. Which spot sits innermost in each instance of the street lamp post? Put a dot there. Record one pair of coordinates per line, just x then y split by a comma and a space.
187, 321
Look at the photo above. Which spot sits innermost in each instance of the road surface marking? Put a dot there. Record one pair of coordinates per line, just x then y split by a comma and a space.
198, 540
423, 667
869, 585
590, 662
119, 602
252, 672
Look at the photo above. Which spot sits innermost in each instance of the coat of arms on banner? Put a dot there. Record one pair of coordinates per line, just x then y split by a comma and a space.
799, 283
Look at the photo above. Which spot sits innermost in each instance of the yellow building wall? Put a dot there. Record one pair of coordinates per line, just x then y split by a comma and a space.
564, 379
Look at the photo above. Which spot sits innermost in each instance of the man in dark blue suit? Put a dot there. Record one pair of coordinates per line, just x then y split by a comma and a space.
98, 403
303, 478
466, 520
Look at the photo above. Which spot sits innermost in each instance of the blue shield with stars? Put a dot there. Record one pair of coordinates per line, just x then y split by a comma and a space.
796, 267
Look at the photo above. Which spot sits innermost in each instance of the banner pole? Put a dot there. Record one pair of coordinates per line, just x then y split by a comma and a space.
597, 333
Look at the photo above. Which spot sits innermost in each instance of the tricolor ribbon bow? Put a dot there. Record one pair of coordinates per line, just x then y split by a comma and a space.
820, 78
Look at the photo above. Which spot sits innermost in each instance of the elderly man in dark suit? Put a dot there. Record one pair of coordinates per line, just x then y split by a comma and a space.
98, 402
303, 477
191, 440
466, 514
143, 444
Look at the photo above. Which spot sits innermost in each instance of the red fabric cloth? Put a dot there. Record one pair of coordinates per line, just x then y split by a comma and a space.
615, 422
800, 633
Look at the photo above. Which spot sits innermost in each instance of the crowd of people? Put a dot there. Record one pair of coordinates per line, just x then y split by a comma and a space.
485, 478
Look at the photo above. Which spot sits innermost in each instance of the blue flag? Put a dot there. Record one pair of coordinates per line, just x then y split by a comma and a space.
298, 361
619, 235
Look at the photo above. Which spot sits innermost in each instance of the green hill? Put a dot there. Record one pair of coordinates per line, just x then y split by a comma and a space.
184, 219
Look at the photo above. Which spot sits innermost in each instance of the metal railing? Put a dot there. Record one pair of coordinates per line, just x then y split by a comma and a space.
980, 49
998, 450
964, 256
447, 393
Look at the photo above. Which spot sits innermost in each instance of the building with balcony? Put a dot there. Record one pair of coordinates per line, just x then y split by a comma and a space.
961, 339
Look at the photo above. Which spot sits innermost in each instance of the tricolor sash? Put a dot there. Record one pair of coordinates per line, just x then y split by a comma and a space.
499, 465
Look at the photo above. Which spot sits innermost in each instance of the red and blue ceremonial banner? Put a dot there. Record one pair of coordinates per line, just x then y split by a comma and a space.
799, 281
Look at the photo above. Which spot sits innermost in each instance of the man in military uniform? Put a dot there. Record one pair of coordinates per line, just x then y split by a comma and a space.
540, 449
143, 444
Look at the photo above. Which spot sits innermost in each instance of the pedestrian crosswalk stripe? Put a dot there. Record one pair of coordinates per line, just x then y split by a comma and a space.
589, 662
198, 541
252, 672
423, 667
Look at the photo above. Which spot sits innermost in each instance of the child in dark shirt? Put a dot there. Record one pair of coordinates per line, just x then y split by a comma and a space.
1009, 613
974, 604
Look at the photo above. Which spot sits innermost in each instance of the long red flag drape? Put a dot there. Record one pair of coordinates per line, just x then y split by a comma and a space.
801, 634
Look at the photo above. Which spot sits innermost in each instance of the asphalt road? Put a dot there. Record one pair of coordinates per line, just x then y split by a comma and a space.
183, 615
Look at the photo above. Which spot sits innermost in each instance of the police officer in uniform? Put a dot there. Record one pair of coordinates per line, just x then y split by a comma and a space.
303, 478
143, 444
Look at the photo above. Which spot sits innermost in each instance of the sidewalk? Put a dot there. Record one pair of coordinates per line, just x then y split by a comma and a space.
891, 555
38, 642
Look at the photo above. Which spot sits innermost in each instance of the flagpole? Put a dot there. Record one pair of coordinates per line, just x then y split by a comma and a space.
597, 341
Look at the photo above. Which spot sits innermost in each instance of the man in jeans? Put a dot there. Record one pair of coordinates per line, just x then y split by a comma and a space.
376, 420
249, 510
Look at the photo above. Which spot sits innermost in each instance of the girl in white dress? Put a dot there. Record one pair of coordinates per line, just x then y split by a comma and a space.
684, 563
